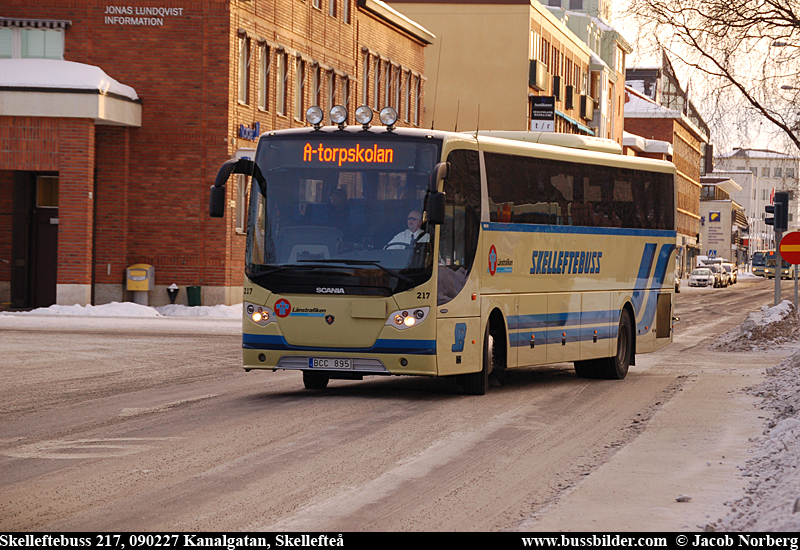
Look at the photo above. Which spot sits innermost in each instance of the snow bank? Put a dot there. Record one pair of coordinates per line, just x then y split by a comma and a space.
767, 327
129, 309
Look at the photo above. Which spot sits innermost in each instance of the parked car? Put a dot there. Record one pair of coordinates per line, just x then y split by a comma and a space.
702, 276
720, 274
787, 270
677, 283
733, 272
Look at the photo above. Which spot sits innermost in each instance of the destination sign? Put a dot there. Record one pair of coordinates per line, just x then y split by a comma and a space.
364, 154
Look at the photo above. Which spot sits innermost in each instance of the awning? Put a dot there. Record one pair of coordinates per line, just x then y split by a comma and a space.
34, 23
575, 123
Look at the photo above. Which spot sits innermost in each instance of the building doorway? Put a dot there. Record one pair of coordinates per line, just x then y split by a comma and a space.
35, 240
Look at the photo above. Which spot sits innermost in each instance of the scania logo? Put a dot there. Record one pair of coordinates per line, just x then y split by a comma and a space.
329, 319
329, 290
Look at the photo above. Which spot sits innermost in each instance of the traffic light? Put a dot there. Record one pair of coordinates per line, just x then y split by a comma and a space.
781, 210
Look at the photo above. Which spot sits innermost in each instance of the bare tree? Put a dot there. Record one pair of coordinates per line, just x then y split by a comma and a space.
747, 51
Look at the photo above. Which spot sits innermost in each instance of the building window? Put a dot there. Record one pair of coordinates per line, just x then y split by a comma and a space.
244, 66
576, 4
31, 43
346, 93
396, 86
299, 89
377, 78
346, 11
777, 173
407, 106
263, 78
418, 102
790, 172
387, 88
765, 172
315, 3
365, 80
535, 44
754, 171
554, 3
241, 203
331, 90
316, 85
332, 8
283, 75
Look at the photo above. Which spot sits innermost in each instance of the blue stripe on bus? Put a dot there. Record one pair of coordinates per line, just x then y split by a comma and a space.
578, 230
279, 343
658, 279
544, 320
643, 276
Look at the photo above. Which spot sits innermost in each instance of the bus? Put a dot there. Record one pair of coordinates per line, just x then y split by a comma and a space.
760, 258
377, 250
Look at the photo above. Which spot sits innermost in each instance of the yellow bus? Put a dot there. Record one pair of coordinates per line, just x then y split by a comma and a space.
760, 258
375, 250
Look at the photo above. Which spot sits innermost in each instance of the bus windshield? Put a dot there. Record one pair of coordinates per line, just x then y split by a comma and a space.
759, 258
341, 213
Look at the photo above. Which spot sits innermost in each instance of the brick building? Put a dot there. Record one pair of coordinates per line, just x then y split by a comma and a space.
115, 116
657, 108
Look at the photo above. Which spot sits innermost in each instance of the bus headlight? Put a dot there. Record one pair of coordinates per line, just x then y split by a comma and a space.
260, 315
407, 318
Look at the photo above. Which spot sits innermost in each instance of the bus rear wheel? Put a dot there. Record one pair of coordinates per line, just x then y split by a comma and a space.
315, 380
616, 367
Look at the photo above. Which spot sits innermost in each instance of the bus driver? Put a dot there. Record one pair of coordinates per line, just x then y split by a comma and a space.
411, 236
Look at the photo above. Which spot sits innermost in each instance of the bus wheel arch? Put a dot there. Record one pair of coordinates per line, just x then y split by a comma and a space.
494, 355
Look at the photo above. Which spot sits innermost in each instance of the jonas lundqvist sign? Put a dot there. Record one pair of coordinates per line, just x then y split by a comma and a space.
139, 15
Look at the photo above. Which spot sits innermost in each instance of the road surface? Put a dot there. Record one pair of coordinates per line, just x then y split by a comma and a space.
125, 424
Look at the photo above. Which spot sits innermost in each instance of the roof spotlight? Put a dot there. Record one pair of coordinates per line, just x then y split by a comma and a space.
339, 115
364, 116
388, 117
315, 115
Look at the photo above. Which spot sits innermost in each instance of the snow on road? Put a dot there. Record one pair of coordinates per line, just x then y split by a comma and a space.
772, 501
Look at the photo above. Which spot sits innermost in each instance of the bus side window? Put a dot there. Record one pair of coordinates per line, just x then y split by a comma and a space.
459, 234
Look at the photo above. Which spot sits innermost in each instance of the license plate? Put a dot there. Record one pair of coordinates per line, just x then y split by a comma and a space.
329, 363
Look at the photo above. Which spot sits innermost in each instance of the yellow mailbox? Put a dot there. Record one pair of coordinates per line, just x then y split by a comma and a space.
140, 277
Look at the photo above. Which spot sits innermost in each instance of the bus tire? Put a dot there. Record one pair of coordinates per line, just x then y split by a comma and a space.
315, 380
616, 367
477, 383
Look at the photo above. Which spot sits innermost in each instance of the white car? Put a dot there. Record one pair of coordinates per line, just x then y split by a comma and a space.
702, 276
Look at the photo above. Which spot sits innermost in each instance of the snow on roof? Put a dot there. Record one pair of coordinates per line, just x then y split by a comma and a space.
637, 105
58, 74
755, 154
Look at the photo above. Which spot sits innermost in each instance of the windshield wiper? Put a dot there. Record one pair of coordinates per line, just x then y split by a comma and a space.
373, 263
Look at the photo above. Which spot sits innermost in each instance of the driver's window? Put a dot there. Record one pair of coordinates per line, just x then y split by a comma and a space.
459, 233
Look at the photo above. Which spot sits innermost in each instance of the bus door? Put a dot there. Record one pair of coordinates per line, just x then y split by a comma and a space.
459, 341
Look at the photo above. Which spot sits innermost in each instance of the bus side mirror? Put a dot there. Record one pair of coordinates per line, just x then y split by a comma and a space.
436, 208
439, 172
216, 202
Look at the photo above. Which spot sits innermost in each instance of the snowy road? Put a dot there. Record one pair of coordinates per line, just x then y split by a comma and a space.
150, 424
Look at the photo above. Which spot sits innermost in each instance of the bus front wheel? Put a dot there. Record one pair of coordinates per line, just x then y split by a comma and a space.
477, 383
315, 380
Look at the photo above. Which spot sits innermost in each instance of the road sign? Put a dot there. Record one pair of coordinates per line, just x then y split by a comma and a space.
790, 247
